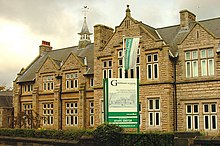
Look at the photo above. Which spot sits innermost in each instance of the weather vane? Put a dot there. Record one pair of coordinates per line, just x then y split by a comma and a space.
85, 10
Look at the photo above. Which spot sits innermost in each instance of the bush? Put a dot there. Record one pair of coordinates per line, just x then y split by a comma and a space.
107, 134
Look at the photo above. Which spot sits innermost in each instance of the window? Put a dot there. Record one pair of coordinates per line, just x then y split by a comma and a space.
192, 117
48, 118
71, 81
91, 82
191, 62
71, 113
107, 69
27, 109
48, 83
152, 66
91, 113
154, 112
131, 73
28, 88
207, 62
210, 116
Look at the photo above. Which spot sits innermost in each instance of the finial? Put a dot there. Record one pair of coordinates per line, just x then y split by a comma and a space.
128, 11
85, 10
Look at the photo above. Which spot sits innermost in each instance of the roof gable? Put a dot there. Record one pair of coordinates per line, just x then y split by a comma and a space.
72, 62
49, 65
192, 33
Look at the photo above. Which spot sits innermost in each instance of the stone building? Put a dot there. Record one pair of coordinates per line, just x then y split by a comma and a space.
6, 109
177, 66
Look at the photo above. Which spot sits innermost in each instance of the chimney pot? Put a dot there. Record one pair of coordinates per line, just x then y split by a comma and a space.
44, 47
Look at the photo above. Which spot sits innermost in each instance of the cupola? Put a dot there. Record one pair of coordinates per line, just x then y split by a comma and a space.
84, 34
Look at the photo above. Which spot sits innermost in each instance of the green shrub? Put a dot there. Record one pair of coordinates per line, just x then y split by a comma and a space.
107, 134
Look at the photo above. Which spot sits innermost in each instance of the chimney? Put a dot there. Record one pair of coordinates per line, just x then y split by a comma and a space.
185, 18
44, 47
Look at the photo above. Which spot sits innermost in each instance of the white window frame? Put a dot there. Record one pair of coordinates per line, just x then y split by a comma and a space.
151, 66
48, 83
48, 114
71, 109
209, 114
155, 112
91, 113
192, 115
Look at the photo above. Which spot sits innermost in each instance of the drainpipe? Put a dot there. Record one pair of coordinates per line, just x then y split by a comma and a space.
175, 115
60, 98
175, 94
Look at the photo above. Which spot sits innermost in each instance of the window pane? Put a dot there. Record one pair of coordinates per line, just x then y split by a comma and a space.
155, 71
195, 68
206, 108
149, 71
150, 118
138, 59
189, 109
151, 104
196, 108
109, 73
132, 73
104, 74
187, 56
195, 55
206, 122
214, 124
203, 53
157, 119
110, 63
157, 104
120, 62
189, 122
138, 72
211, 66
210, 53
104, 64
155, 58
213, 108
120, 72
149, 58
196, 122
203, 67
188, 69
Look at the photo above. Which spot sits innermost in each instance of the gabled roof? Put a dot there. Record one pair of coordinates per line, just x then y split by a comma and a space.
58, 57
6, 98
173, 35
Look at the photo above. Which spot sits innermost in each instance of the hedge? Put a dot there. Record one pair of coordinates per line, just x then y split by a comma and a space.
107, 134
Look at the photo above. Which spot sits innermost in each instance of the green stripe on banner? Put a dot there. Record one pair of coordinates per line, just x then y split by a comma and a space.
122, 113
128, 52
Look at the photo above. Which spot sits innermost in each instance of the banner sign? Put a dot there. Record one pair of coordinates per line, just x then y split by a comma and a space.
122, 102
131, 52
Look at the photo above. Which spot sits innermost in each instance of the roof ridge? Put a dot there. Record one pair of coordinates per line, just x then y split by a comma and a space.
209, 19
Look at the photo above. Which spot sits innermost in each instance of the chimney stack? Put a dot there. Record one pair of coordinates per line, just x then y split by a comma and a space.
44, 47
186, 17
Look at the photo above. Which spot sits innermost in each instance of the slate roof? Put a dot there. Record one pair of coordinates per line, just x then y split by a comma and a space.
6, 98
173, 35
58, 56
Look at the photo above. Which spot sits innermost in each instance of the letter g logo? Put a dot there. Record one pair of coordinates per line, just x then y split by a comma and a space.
114, 83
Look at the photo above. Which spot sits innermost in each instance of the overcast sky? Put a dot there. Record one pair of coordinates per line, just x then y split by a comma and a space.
25, 23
